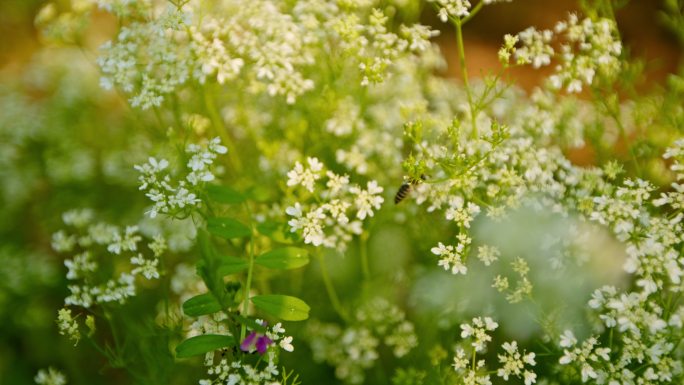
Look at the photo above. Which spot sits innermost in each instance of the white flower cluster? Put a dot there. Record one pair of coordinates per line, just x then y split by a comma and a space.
351, 351
259, 42
452, 258
239, 373
448, 9
122, 8
326, 221
591, 47
370, 144
513, 362
171, 196
67, 325
588, 48
261, 38
472, 373
96, 238
146, 60
542, 178
346, 119
535, 49
236, 372
478, 331
460, 212
371, 44
277, 334
51, 376
675, 198
354, 349
589, 354
388, 46
523, 288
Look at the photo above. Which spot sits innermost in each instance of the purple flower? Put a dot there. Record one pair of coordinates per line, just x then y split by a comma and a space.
254, 341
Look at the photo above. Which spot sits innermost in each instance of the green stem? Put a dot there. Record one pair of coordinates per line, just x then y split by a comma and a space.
363, 250
472, 13
610, 339
217, 122
464, 73
330, 289
250, 269
115, 334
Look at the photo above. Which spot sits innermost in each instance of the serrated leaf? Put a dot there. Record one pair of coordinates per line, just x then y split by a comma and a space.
200, 305
225, 194
284, 258
230, 265
284, 307
202, 344
227, 228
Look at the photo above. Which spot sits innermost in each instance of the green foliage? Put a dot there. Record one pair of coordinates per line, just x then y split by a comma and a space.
283, 307
284, 258
227, 228
246, 138
201, 305
203, 344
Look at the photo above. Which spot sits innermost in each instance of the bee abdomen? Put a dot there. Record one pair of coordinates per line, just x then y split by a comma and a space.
403, 192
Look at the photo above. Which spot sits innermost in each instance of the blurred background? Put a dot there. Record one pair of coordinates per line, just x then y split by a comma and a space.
32, 284
639, 22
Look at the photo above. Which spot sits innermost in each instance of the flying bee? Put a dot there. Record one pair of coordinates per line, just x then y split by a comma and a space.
406, 188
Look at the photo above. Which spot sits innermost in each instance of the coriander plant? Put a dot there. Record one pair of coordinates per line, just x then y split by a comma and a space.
290, 192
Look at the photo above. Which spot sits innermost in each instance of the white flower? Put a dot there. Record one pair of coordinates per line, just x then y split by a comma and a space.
478, 331
452, 8
513, 363
305, 177
67, 325
367, 200
567, 339
460, 360
451, 258
286, 343
50, 376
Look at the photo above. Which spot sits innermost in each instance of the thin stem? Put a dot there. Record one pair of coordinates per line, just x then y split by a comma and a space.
363, 250
610, 339
115, 334
464, 73
217, 122
474, 358
330, 289
472, 13
250, 269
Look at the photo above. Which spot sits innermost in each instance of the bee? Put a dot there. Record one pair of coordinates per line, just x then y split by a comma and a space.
406, 188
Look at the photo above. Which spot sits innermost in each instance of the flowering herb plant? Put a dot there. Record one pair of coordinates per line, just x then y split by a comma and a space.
209, 190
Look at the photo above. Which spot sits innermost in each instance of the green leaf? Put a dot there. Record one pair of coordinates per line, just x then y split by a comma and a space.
227, 228
201, 304
284, 258
230, 265
225, 194
251, 323
203, 344
206, 267
282, 306
275, 231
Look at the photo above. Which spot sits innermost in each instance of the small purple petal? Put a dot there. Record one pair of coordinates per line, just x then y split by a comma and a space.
248, 343
262, 344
